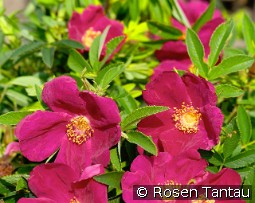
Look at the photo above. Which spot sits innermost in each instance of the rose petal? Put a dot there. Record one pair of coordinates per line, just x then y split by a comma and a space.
226, 176
52, 181
189, 164
79, 23
176, 142
103, 140
103, 158
170, 65
61, 94
91, 171
41, 133
130, 179
91, 191
156, 124
102, 111
36, 200
165, 90
12, 147
213, 120
201, 92
172, 50
74, 155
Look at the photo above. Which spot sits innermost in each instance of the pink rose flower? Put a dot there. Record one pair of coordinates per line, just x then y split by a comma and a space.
87, 26
55, 183
193, 121
182, 170
177, 50
82, 125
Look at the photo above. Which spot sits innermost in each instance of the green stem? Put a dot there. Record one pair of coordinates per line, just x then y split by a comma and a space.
249, 144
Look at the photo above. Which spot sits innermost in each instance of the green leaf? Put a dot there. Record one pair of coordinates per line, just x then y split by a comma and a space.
134, 9
227, 91
48, 56
205, 17
102, 40
93, 53
179, 14
38, 91
115, 158
230, 65
77, 63
26, 49
241, 160
1, 39
164, 31
196, 52
218, 41
143, 141
26, 81
13, 179
21, 184
108, 74
4, 189
249, 33
69, 6
244, 124
134, 117
230, 145
69, 43
112, 179
17, 97
96, 49
216, 159
123, 98
110, 48
250, 180
13, 117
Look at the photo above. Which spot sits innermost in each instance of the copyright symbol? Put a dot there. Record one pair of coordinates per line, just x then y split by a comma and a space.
142, 192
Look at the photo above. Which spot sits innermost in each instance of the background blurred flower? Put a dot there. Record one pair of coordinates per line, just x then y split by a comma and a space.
59, 183
12, 147
193, 120
176, 50
85, 27
82, 124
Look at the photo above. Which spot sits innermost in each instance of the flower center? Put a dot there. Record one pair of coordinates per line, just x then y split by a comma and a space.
89, 36
74, 200
187, 118
79, 130
171, 183
203, 201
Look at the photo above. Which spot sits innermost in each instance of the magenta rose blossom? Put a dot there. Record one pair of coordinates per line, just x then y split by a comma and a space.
82, 125
177, 50
11, 148
185, 169
193, 121
55, 183
169, 65
87, 26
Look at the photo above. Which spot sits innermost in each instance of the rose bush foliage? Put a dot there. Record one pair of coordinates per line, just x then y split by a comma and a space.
100, 96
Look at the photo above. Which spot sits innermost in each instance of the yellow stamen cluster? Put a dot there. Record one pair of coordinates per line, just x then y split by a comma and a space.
203, 201
89, 36
74, 200
79, 130
187, 118
171, 183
